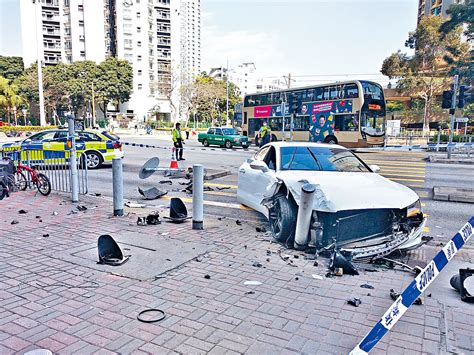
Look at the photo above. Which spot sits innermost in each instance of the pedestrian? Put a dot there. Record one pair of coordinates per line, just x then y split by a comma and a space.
178, 142
187, 133
136, 128
264, 134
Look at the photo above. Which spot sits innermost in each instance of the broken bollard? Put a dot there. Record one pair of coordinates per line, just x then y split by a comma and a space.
198, 196
303, 221
117, 182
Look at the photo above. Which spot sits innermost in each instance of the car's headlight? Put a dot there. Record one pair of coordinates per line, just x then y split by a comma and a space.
414, 209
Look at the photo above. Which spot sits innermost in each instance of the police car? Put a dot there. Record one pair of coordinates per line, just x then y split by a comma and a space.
53, 143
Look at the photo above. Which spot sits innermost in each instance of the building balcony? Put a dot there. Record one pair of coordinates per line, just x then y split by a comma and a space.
52, 33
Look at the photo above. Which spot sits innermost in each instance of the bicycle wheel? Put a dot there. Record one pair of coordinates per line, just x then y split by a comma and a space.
3, 190
20, 181
43, 185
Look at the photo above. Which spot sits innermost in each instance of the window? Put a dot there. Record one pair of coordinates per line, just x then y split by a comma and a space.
139, 58
80, 7
48, 135
300, 123
210, 131
138, 15
139, 29
372, 90
139, 72
270, 158
260, 155
81, 22
218, 132
139, 43
320, 159
89, 137
346, 123
140, 86
351, 91
127, 43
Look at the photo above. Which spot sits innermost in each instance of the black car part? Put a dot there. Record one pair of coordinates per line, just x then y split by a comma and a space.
109, 251
340, 261
457, 282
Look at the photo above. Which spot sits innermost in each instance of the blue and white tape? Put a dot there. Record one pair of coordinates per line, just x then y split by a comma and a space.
415, 289
140, 145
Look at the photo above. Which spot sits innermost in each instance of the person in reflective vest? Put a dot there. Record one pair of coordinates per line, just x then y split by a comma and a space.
178, 142
264, 134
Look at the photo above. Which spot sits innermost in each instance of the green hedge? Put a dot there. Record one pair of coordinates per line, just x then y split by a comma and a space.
445, 138
25, 128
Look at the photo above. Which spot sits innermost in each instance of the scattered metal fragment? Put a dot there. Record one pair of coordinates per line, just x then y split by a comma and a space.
317, 277
415, 269
252, 283
207, 277
166, 182
261, 229
315, 263
14, 222
238, 222
38, 217
134, 205
356, 302
339, 261
22, 212
250, 292
152, 193
45, 235
256, 264
141, 221
153, 219
160, 317
109, 251
98, 194
81, 208
370, 287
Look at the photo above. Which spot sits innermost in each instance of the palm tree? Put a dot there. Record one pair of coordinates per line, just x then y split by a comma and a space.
10, 99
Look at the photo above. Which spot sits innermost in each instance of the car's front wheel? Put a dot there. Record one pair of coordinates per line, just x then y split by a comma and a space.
228, 144
283, 215
94, 160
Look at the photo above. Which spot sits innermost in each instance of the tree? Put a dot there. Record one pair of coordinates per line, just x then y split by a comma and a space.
10, 98
114, 82
424, 75
166, 87
11, 67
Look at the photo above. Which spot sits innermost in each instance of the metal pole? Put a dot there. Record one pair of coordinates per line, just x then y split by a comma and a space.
198, 196
73, 160
305, 211
39, 54
227, 94
291, 127
117, 182
439, 140
453, 108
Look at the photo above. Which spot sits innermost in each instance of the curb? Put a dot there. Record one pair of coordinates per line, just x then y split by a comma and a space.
453, 194
212, 174
432, 159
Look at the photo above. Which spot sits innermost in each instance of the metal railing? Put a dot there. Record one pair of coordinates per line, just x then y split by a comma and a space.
53, 164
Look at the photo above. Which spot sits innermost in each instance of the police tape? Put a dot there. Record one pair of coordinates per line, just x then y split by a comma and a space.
415, 289
140, 145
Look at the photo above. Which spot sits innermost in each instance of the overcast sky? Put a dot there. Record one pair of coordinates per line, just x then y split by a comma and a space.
302, 37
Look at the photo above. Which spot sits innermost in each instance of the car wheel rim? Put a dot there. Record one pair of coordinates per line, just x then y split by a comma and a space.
276, 220
92, 160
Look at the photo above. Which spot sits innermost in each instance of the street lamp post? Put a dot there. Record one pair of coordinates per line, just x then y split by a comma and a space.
40, 64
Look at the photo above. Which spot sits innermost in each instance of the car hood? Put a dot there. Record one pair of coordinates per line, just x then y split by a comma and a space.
339, 191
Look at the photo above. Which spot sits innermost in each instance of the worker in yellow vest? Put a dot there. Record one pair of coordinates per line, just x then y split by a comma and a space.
178, 141
264, 134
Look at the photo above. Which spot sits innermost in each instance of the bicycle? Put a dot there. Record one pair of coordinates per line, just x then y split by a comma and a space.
20, 181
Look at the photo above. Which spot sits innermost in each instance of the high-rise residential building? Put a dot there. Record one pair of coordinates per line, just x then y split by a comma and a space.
246, 77
434, 7
160, 38
56, 30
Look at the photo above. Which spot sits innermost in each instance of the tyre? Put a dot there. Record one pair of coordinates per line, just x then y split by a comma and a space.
283, 220
94, 160
205, 143
274, 138
43, 184
228, 144
3, 190
330, 140
20, 181
257, 143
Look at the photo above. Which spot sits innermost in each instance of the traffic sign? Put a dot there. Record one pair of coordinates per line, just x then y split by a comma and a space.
462, 120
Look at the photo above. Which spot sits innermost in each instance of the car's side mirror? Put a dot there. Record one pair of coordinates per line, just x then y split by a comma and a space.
259, 165
374, 168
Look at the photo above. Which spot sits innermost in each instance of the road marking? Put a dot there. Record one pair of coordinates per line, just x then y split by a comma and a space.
402, 179
220, 185
423, 204
219, 193
403, 175
422, 194
395, 162
401, 169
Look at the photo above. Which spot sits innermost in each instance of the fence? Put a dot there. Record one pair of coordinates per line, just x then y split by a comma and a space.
54, 164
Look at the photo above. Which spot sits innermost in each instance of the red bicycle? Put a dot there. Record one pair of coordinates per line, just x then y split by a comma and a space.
39, 180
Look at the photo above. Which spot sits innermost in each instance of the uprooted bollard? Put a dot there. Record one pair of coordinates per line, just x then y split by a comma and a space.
304, 216
198, 196
117, 181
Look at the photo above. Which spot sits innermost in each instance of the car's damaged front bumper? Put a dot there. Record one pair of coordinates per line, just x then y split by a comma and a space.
376, 248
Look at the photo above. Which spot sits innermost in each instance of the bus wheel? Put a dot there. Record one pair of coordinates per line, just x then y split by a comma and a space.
274, 138
330, 140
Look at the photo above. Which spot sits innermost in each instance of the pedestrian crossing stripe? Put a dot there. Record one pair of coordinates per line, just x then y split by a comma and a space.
220, 185
394, 162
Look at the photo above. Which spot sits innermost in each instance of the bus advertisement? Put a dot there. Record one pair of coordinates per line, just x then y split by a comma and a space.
347, 113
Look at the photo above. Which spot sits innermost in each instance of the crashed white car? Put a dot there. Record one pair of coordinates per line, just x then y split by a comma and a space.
355, 209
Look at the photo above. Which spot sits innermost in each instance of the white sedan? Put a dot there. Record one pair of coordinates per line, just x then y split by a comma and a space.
354, 209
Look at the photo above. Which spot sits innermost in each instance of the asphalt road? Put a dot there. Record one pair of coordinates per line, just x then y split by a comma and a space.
407, 168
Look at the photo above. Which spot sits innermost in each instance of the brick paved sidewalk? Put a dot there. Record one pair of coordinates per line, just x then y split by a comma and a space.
291, 312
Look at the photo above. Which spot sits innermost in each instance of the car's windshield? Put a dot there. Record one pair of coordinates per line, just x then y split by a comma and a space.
229, 131
111, 136
320, 159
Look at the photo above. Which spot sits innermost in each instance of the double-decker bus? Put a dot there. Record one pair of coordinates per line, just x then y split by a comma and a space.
349, 113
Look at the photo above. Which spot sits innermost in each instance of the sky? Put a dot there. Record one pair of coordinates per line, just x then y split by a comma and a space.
314, 40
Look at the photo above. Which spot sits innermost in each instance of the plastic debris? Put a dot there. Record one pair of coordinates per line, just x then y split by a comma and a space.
252, 283
256, 264
178, 211
14, 222
370, 287
22, 212
317, 277
457, 282
55, 213
238, 222
109, 251
207, 277
81, 208
134, 205
261, 229
339, 261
